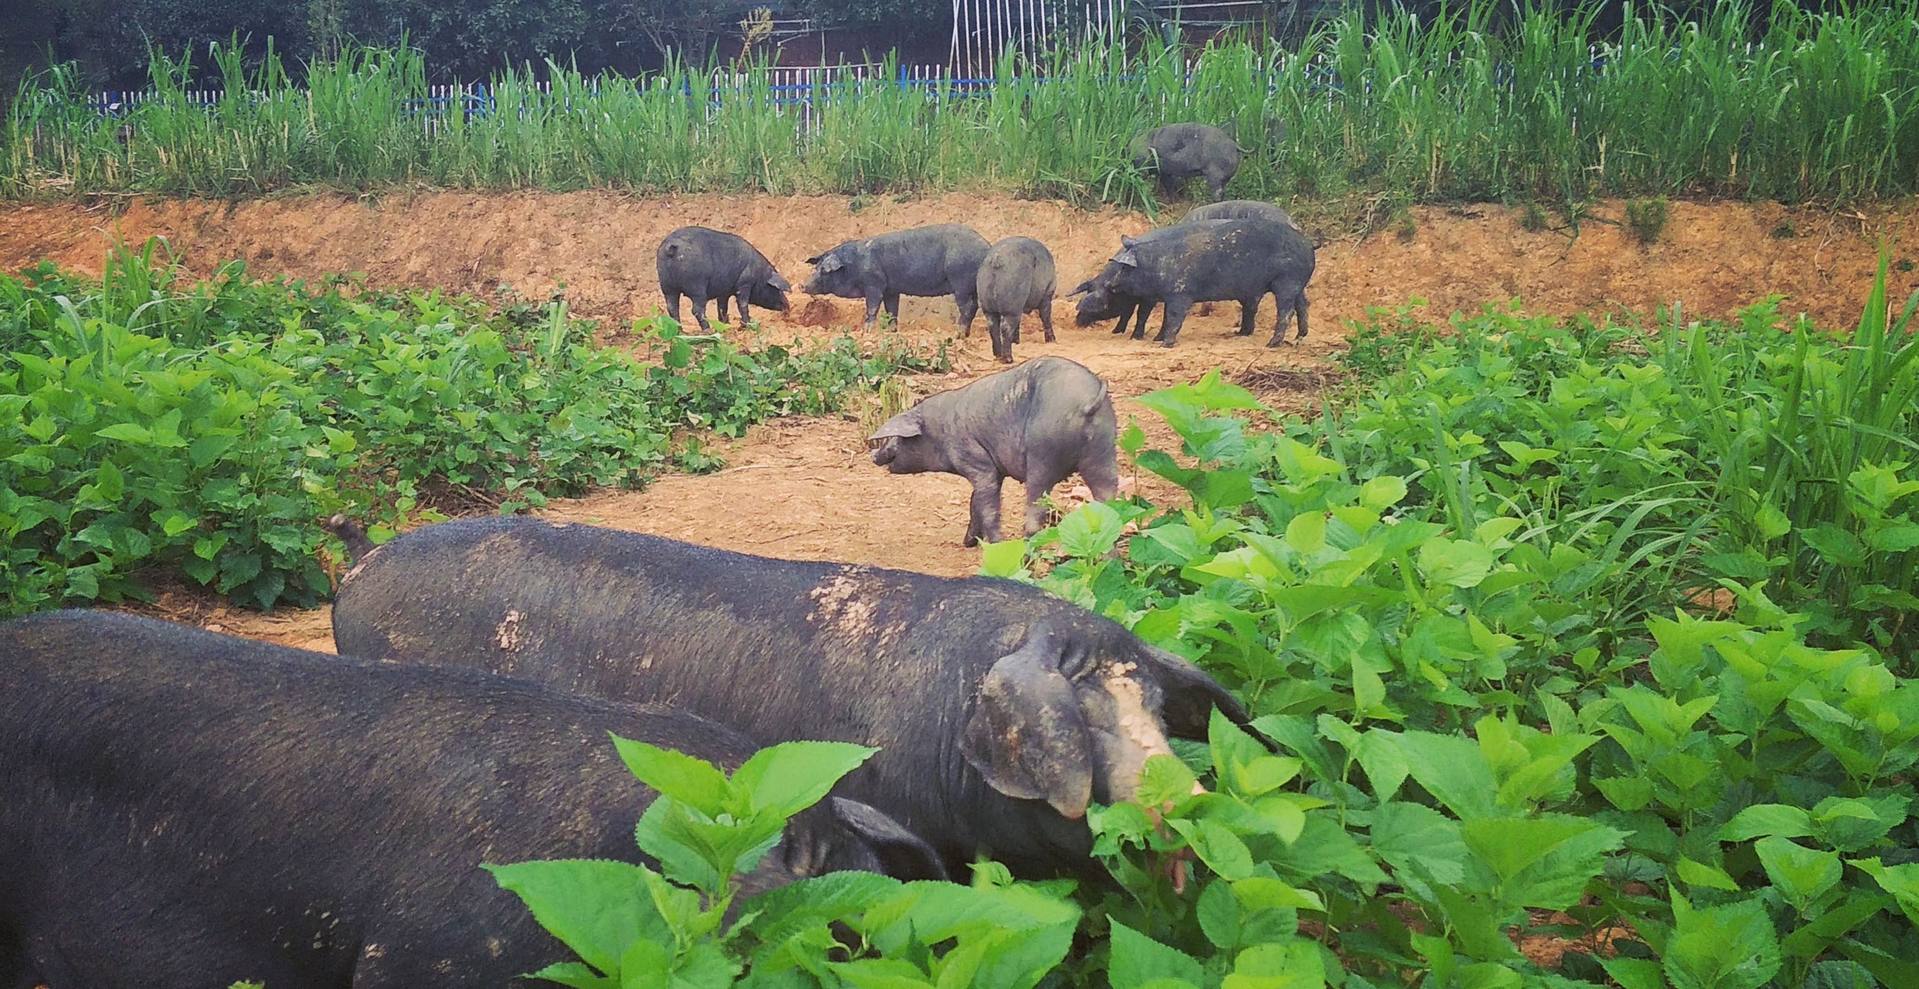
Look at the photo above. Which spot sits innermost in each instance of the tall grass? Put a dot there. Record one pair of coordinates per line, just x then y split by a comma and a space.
1466, 106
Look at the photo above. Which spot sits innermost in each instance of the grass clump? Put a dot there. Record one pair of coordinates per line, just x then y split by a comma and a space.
1646, 219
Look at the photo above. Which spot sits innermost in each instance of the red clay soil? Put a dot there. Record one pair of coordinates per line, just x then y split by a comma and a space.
804, 488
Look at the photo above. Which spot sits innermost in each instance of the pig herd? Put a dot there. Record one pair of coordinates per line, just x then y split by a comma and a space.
181, 808
1234, 251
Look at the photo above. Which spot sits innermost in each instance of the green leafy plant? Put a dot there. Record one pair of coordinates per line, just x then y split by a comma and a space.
1646, 219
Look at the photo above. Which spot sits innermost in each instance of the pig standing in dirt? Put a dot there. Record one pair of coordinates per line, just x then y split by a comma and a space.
703, 264
185, 809
1000, 711
942, 259
1178, 153
1205, 261
1015, 278
1037, 423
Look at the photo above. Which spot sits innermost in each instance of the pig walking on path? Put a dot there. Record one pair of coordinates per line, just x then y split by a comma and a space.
999, 710
1204, 261
1015, 278
702, 264
1037, 423
942, 259
183, 810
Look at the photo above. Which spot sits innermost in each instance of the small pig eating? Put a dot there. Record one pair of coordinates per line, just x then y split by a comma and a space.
1036, 423
701, 264
941, 259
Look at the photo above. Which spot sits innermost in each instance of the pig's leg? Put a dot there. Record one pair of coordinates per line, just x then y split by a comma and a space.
1139, 319
699, 310
1176, 310
745, 313
1292, 301
1013, 322
968, 301
984, 523
1247, 310
1046, 318
1299, 313
893, 308
873, 307
1005, 330
673, 306
1125, 314
720, 301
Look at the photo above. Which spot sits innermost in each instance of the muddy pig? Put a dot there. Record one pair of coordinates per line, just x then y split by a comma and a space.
1015, 278
1206, 261
1037, 424
703, 264
999, 710
942, 259
184, 809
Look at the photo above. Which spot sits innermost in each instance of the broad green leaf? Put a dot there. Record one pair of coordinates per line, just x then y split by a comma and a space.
1294, 964
1218, 914
572, 974
1453, 770
1902, 881
1455, 562
1419, 840
1839, 975
1545, 861
1002, 559
1382, 493
598, 908
1634, 973
1137, 960
1164, 779
1700, 874
1221, 849
1091, 530
128, 433
1723, 947
792, 776
1801, 874
685, 778
1767, 819
1306, 533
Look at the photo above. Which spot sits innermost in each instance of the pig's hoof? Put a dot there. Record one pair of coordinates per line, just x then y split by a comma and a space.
1008, 359
1168, 344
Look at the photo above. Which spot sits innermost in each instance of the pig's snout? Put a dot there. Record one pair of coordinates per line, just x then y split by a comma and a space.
884, 454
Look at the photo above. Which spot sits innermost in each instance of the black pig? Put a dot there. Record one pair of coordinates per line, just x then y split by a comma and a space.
703, 264
1015, 278
1206, 261
183, 810
1000, 710
1037, 423
942, 259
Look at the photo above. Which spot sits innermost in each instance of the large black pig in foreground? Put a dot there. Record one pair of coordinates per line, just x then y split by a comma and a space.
1000, 710
1037, 423
181, 810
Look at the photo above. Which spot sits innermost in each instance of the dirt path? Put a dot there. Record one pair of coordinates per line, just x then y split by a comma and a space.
803, 488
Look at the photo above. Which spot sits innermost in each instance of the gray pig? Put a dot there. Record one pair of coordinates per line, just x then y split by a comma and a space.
1207, 261
703, 264
1000, 711
1178, 153
942, 259
1240, 209
1036, 423
1015, 278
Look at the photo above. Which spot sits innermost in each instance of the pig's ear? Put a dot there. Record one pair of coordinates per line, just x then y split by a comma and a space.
779, 281
1125, 241
906, 424
1084, 287
1191, 694
1127, 258
901, 853
1025, 734
827, 263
